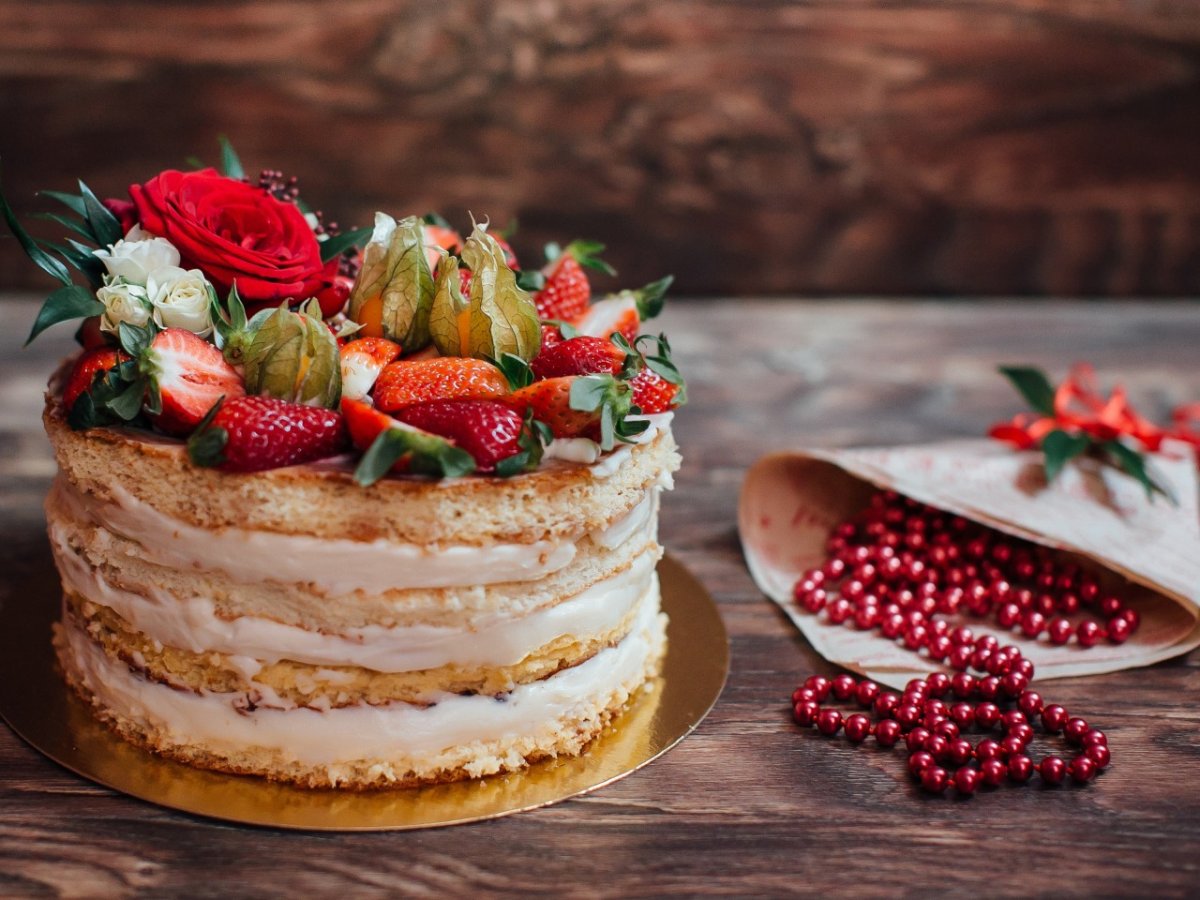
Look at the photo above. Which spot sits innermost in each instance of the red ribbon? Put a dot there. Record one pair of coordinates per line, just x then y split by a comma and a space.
1080, 407
1187, 424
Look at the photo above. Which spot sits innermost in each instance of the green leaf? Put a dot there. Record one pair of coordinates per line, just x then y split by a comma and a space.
515, 370
530, 280
231, 166
128, 403
587, 254
69, 224
1134, 464
432, 218
40, 257
1060, 448
426, 454
105, 227
1033, 385
134, 339
71, 302
206, 445
532, 447
83, 414
652, 297
195, 162
73, 202
342, 242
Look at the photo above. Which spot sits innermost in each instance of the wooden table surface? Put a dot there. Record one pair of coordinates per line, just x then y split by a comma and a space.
747, 804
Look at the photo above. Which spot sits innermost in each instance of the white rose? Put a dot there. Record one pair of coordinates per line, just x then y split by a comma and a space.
137, 255
123, 303
180, 299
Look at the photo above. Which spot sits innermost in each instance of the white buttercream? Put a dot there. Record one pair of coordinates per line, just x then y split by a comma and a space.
495, 640
224, 723
337, 565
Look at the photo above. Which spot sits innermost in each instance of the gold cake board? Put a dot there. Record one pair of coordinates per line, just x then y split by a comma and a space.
38, 706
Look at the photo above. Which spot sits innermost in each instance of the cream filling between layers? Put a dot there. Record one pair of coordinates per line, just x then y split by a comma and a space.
494, 640
349, 734
337, 566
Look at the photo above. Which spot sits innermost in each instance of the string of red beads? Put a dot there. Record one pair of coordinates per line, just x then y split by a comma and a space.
900, 567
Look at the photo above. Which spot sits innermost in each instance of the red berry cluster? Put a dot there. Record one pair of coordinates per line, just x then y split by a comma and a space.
899, 568
932, 716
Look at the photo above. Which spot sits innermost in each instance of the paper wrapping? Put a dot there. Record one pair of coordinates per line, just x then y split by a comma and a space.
1149, 552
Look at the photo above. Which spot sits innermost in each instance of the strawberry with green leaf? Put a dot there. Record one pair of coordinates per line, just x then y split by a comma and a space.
567, 292
251, 434
658, 386
625, 312
390, 445
592, 406
498, 438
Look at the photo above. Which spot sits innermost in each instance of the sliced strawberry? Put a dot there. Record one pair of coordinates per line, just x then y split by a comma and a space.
408, 382
592, 406
489, 430
85, 371
187, 376
390, 445
567, 291
625, 312
362, 360
579, 356
250, 434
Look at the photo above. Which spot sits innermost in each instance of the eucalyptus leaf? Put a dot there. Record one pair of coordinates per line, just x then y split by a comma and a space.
73, 202
70, 302
128, 403
69, 224
1134, 464
1033, 385
105, 227
47, 263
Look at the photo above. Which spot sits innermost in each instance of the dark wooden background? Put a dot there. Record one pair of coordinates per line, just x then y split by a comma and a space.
835, 146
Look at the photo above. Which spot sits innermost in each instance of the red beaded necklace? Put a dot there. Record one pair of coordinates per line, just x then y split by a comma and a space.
900, 567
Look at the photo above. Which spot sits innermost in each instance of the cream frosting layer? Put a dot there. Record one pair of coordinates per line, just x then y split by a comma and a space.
336, 566
222, 723
495, 639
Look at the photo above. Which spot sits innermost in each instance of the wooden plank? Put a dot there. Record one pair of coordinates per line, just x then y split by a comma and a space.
968, 146
747, 804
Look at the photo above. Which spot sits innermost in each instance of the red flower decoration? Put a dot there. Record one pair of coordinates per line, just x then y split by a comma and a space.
233, 232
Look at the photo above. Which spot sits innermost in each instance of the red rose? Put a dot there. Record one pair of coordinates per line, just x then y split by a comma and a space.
233, 232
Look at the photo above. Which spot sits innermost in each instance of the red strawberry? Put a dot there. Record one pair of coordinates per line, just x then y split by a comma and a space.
592, 406
487, 429
550, 336
652, 393
625, 312
361, 361
409, 382
87, 367
390, 445
579, 356
250, 434
188, 375
567, 292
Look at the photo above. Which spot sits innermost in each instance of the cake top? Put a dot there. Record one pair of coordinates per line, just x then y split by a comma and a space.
221, 312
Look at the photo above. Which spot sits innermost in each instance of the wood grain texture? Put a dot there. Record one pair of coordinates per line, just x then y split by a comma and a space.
833, 146
747, 804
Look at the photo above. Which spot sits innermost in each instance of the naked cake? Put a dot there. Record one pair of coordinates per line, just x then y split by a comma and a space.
351, 517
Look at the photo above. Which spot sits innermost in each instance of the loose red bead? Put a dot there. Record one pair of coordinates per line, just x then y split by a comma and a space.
907, 715
963, 685
962, 714
966, 780
1023, 733
1094, 736
1099, 754
987, 715
959, 751
1081, 769
866, 692
818, 684
1118, 630
1013, 684
843, 686
959, 658
1012, 717
937, 746
938, 684
1131, 616
915, 739
858, 728
993, 771
1054, 717
1020, 767
947, 729
887, 733
1089, 633
829, 721
1060, 631
1075, 729
918, 762
1052, 769
935, 779
916, 686
885, 704
936, 707
1030, 703
802, 693
805, 712
989, 688
1033, 623
1110, 606
1012, 746
988, 749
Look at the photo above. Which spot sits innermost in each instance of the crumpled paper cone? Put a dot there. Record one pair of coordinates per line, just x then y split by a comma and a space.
1149, 551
